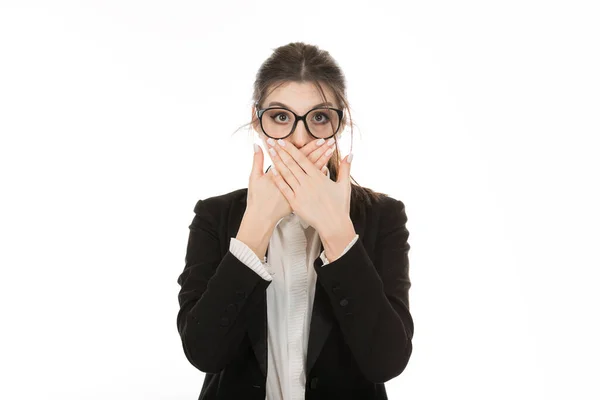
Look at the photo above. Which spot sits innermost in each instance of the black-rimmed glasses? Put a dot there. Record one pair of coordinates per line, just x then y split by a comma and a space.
279, 122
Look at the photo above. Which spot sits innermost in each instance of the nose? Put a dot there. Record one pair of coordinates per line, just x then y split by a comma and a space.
300, 136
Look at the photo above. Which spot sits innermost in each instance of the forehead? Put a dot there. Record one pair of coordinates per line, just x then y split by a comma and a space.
300, 96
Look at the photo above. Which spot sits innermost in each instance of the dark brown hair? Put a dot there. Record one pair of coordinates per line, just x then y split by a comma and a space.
301, 62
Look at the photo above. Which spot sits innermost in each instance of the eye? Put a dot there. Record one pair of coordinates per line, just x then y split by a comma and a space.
321, 117
276, 117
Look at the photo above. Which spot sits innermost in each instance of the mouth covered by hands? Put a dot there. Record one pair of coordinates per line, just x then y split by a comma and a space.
317, 199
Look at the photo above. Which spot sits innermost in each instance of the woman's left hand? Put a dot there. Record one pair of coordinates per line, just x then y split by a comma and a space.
318, 200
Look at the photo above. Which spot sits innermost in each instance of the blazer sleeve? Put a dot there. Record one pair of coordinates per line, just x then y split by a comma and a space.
216, 297
369, 297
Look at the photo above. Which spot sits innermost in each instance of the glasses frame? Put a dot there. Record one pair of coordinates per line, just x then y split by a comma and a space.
259, 114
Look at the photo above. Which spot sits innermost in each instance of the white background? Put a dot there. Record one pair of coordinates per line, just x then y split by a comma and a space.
481, 116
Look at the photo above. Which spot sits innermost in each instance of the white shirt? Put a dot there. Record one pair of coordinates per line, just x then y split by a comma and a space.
293, 247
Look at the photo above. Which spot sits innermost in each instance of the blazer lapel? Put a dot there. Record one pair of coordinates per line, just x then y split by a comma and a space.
322, 313
320, 322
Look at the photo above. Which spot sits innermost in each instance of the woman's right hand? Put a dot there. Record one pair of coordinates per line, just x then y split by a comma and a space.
264, 197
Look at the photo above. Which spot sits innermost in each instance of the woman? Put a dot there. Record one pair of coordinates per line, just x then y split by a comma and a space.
297, 286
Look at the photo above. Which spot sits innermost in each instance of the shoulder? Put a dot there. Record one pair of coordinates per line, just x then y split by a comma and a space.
216, 204
376, 204
391, 215
389, 204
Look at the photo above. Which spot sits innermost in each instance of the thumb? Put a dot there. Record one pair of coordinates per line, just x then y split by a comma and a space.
257, 163
344, 170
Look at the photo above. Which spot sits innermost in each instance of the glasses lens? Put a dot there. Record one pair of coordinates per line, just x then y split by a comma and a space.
277, 122
321, 122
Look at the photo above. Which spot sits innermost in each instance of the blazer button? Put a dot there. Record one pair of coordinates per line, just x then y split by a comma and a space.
224, 321
313, 383
344, 302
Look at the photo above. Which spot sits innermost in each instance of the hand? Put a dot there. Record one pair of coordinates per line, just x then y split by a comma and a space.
264, 197
321, 202
316, 153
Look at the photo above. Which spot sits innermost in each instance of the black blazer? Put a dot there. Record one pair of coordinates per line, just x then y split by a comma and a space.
361, 328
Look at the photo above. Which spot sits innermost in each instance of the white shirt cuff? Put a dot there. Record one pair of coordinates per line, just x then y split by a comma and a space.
249, 257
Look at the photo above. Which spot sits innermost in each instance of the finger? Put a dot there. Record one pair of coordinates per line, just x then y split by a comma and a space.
295, 170
283, 186
313, 151
310, 150
283, 168
257, 162
302, 166
322, 161
344, 172
271, 167
318, 152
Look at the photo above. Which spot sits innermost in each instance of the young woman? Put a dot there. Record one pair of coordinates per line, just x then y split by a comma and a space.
297, 286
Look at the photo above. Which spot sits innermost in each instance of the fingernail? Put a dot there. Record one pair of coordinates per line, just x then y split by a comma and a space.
331, 141
350, 156
320, 142
329, 151
255, 148
272, 151
274, 171
281, 142
271, 141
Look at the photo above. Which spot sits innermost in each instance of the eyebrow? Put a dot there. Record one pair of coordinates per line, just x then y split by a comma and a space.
276, 103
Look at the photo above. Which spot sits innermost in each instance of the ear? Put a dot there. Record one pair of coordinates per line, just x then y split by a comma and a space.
255, 121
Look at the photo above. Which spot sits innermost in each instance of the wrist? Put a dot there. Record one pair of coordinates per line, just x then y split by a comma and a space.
336, 238
255, 232
335, 227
